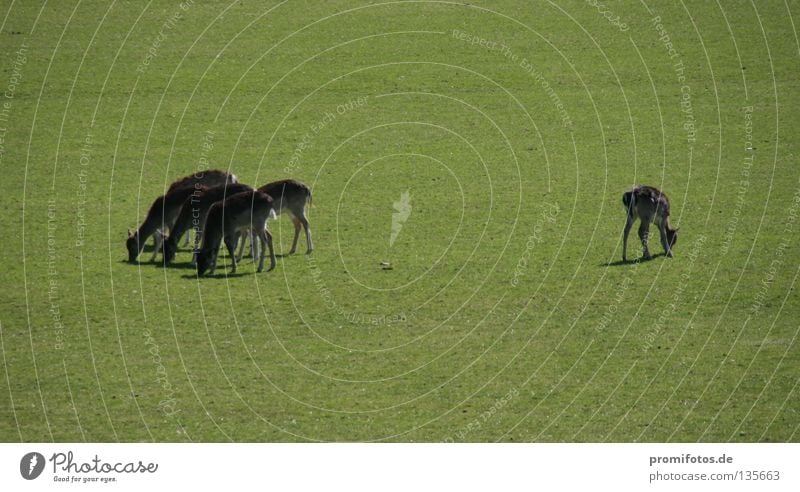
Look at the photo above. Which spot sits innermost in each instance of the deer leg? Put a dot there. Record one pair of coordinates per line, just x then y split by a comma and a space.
644, 232
662, 230
297, 224
212, 264
266, 242
271, 250
628, 225
262, 239
230, 243
158, 240
254, 240
241, 248
251, 234
309, 245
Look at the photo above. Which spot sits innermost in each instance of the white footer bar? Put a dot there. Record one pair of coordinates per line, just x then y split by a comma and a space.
401, 467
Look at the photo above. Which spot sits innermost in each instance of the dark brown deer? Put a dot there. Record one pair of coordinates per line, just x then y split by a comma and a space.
226, 221
649, 205
291, 196
193, 215
157, 215
209, 177
159, 219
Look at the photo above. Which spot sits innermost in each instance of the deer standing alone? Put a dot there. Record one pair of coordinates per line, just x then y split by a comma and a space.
193, 215
226, 221
649, 205
165, 209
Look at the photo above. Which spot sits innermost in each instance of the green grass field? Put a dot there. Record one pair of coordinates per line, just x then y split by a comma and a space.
505, 315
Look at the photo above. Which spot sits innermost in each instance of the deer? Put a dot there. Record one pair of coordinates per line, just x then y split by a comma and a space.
136, 240
227, 219
160, 217
209, 177
292, 196
193, 216
649, 205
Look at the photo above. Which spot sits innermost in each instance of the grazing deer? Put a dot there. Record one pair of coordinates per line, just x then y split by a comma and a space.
159, 219
649, 205
209, 177
292, 196
193, 215
135, 243
227, 219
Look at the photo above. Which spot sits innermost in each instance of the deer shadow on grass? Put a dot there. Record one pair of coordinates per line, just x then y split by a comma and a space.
223, 271
631, 262
140, 263
218, 276
177, 266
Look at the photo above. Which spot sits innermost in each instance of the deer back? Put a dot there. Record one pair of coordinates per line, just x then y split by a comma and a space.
646, 202
287, 194
209, 177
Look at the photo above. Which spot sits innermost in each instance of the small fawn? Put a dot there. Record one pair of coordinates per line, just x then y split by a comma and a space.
227, 219
649, 205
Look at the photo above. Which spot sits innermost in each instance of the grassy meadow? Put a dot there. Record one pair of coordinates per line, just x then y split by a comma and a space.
467, 163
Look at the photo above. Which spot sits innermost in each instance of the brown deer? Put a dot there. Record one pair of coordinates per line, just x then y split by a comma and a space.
227, 219
157, 215
209, 177
193, 215
159, 219
649, 205
292, 196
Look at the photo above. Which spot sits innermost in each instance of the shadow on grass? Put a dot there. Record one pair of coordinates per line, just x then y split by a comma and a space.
138, 262
222, 275
177, 266
189, 266
631, 262
277, 255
